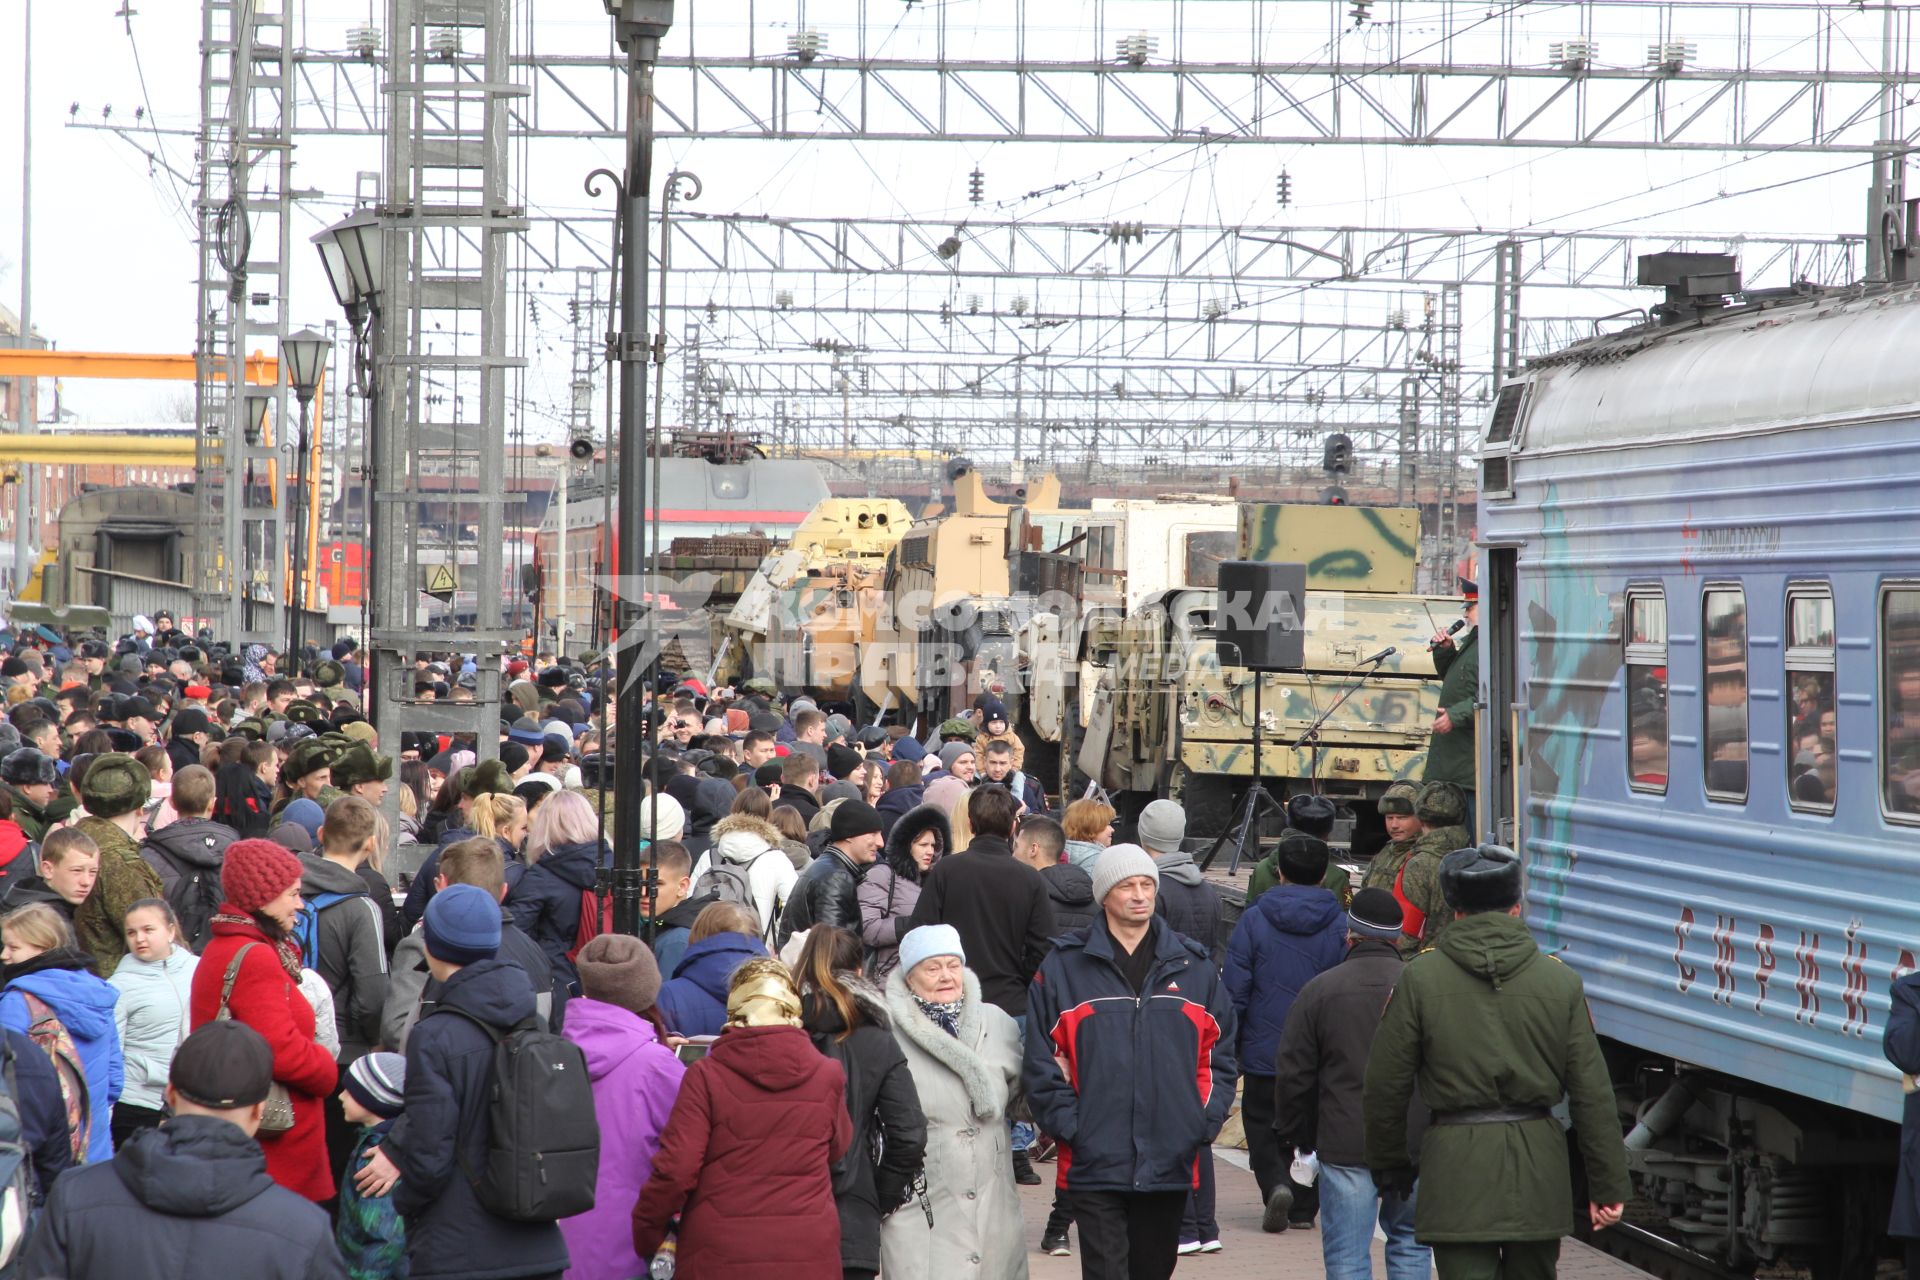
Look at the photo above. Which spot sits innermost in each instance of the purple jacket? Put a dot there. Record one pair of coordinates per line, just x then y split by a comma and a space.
635, 1081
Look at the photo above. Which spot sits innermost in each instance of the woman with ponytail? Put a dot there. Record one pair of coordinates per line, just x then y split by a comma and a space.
847, 1020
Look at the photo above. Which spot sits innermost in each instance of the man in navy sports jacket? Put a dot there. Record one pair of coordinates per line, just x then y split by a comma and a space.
1130, 1067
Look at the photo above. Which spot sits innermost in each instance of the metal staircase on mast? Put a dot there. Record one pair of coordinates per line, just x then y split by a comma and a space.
243, 207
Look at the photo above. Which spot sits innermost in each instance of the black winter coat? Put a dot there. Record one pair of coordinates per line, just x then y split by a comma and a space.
445, 1124
546, 903
804, 801
1322, 1069
393, 926
1188, 903
171, 1201
896, 803
826, 893
1070, 889
889, 1131
351, 953
183, 849
1001, 908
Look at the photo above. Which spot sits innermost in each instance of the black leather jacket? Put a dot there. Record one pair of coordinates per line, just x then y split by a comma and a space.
825, 894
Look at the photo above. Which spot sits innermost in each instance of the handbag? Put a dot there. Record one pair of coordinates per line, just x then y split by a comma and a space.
278, 1116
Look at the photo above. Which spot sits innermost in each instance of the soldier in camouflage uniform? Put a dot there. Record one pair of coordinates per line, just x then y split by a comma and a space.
1494, 1034
1403, 828
1441, 807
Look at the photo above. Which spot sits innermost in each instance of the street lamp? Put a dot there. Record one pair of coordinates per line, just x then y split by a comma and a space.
350, 252
304, 354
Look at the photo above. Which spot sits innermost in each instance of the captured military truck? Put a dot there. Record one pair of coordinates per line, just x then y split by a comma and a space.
1170, 718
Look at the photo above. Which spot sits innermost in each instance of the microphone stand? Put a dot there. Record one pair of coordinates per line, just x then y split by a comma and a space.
1311, 734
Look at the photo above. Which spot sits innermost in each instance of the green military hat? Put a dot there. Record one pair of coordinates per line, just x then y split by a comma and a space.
958, 728
762, 685
327, 673
115, 784
1441, 804
252, 727
300, 711
360, 731
307, 755
1402, 798
358, 764
489, 776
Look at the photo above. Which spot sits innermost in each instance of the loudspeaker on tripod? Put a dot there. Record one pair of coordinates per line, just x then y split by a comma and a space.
1258, 622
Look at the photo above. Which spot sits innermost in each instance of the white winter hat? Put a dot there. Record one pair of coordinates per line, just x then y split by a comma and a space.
928, 941
1122, 862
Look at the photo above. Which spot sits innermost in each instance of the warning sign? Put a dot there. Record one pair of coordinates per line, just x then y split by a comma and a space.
440, 580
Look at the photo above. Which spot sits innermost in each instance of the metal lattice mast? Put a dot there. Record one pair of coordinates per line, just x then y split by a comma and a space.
438, 491
244, 204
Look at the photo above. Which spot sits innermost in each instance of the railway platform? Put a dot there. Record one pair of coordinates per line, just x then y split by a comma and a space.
1248, 1252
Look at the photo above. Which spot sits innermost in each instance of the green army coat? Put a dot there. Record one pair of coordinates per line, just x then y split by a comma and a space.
125, 878
1450, 755
1421, 884
37, 822
1386, 864
1484, 1021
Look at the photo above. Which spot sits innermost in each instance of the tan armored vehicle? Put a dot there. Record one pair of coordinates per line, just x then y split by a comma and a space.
1170, 718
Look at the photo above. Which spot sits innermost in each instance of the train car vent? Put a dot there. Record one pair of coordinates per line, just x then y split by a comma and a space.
1506, 412
1496, 475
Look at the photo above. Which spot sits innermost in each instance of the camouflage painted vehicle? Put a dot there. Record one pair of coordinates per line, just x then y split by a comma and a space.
1170, 719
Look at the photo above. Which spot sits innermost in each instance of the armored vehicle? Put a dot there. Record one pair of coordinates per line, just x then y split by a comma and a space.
1170, 718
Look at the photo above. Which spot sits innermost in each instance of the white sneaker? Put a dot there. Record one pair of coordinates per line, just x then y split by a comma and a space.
1209, 1246
1189, 1246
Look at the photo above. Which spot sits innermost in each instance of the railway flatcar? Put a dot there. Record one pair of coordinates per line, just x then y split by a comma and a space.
1700, 725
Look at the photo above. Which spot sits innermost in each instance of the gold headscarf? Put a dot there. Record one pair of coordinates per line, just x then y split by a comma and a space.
761, 994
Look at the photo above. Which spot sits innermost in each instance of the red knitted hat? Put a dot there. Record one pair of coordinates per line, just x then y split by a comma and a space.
255, 872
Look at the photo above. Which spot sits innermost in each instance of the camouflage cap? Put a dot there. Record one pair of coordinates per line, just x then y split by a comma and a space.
327, 673
488, 776
760, 684
360, 764
307, 755
115, 784
1441, 804
300, 711
957, 729
360, 731
252, 727
1401, 798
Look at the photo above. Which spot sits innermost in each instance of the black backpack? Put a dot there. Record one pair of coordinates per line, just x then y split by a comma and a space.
543, 1144
194, 897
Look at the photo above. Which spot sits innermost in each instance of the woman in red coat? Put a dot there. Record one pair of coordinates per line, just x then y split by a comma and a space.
747, 1153
260, 884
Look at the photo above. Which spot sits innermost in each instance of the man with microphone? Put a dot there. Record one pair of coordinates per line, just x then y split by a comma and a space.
1450, 755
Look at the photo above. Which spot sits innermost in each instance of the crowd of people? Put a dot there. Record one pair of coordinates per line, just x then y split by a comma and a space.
880, 983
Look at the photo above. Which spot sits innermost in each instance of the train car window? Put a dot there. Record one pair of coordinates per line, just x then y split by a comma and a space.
1811, 714
1900, 701
1724, 655
1646, 662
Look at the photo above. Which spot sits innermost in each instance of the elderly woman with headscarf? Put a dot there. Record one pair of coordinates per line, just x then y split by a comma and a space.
965, 1058
748, 1152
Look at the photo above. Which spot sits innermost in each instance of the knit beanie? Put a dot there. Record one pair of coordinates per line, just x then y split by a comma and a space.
928, 941
1375, 914
1163, 826
1121, 862
462, 925
909, 748
306, 814
378, 1082
853, 818
618, 969
953, 751
672, 818
255, 872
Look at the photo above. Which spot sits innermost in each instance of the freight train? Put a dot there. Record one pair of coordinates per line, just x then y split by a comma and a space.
1700, 726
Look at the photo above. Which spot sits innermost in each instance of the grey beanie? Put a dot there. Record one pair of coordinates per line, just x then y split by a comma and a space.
1122, 862
1163, 826
953, 751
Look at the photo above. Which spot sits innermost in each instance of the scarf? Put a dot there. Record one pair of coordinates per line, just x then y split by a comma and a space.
284, 947
945, 1014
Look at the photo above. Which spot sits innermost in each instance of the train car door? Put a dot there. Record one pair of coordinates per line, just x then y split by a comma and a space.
1502, 709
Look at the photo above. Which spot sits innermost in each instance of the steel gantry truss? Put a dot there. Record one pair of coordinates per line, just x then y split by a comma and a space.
1617, 74
244, 209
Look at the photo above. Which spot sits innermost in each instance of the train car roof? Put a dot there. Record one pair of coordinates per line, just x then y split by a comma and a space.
1772, 365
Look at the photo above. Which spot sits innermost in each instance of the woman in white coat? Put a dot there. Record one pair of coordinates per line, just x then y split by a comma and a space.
748, 849
964, 1055
155, 981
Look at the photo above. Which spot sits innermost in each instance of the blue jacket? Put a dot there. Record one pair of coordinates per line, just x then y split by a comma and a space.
897, 803
449, 1077
694, 1000
546, 903
1291, 935
421, 891
84, 1004
1150, 1076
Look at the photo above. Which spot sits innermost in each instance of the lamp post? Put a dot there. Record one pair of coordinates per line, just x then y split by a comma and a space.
304, 354
639, 26
352, 252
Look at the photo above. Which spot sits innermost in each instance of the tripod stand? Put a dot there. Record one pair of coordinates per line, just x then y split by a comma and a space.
1256, 792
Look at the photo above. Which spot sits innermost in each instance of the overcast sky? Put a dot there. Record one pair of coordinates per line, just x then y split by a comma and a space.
114, 259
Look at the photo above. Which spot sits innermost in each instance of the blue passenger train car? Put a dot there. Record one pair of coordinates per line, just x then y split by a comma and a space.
1701, 728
